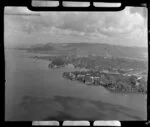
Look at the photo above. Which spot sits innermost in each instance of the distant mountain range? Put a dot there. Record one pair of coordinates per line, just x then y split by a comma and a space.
84, 49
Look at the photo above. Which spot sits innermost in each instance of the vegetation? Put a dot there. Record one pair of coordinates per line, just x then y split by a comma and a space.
112, 67
113, 82
58, 62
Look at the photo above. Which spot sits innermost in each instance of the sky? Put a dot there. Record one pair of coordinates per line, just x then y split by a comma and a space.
127, 27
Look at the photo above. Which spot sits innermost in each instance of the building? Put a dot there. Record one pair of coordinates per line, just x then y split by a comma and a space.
105, 71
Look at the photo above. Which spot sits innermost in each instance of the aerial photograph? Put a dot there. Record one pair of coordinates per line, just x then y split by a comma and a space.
75, 65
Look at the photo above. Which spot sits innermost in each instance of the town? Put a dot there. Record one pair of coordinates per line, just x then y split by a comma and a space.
114, 73
113, 82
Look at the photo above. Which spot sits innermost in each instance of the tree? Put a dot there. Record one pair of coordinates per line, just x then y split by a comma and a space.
112, 79
133, 79
58, 62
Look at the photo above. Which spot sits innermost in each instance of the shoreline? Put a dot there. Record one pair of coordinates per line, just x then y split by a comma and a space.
123, 88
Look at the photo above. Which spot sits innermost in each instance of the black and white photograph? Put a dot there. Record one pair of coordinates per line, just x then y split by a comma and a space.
73, 65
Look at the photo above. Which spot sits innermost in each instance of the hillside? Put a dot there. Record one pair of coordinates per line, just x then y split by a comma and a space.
85, 49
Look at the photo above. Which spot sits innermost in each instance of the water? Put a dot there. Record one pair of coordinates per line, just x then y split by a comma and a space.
34, 92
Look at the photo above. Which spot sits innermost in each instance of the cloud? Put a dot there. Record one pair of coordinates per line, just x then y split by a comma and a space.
119, 22
125, 24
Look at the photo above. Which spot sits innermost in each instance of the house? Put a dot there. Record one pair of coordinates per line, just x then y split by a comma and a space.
105, 71
130, 69
114, 72
79, 76
140, 77
96, 77
101, 82
72, 76
137, 83
88, 80
92, 78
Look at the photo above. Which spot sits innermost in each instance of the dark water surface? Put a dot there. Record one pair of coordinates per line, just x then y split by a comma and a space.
34, 92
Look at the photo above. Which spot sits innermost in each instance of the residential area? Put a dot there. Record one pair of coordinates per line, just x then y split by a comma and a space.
112, 81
